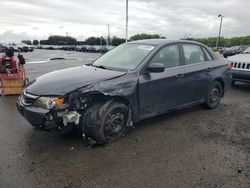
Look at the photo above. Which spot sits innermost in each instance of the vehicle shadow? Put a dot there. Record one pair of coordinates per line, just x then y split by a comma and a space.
169, 116
242, 86
47, 152
56, 139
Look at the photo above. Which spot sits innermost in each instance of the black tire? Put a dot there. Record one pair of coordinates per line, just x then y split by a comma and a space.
214, 95
106, 122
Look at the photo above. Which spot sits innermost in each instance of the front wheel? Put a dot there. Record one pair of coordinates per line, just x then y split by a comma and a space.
107, 122
114, 122
214, 95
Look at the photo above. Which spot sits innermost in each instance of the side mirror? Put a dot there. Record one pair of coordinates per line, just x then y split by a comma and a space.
156, 67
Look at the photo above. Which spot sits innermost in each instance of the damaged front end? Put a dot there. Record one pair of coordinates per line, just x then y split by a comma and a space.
83, 106
51, 112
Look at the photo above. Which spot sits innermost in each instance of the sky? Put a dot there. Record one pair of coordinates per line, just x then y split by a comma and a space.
174, 19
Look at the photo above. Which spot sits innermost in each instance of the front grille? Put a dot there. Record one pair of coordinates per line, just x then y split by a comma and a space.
28, 99
240, 66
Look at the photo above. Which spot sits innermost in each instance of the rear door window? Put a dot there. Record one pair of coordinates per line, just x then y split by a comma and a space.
209, 57
193, 54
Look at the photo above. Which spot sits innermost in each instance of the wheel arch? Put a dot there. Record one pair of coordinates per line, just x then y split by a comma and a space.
221, 81
91, 118
104, 98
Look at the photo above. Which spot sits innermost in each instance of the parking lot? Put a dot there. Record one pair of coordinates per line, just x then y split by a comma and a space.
194, 147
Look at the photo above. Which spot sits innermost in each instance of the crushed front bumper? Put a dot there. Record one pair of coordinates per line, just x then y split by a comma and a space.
54, 119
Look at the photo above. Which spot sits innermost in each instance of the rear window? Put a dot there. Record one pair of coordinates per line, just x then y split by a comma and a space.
209, 57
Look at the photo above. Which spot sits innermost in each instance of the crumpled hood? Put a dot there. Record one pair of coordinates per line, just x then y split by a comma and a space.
240, 58
60, 82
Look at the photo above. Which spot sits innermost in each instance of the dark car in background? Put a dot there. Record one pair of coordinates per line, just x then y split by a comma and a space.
91, 49
233, 51
83, 49
241, 66
219, 49
104, 49
2, 48
134, 81
25, 48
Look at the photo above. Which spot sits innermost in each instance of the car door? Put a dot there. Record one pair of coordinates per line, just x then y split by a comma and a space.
197, 72
164, 90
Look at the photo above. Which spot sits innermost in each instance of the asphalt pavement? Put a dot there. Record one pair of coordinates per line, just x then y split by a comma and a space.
194, 147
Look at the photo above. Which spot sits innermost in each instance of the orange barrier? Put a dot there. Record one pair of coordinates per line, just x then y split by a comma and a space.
12, 84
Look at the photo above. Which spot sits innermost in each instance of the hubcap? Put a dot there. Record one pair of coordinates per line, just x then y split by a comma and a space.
214, 95
115, 124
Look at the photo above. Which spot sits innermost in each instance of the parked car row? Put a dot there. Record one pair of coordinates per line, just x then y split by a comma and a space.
78, 48
25, 48
226, 52
17, 47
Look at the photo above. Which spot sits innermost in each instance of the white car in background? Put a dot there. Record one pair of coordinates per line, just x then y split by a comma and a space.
241, 66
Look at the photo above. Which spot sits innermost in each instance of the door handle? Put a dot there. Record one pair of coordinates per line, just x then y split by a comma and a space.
209, 69
180, 76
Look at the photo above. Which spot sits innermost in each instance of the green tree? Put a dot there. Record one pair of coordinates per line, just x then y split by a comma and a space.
224, 42
43, 42
144, 36
61, 40
28, 42
95, 41
35, 42
117, 41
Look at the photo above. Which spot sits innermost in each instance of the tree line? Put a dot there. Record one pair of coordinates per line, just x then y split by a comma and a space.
68, 40
115, 41
224, 42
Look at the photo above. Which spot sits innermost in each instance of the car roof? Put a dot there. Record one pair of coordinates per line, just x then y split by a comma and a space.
157, 42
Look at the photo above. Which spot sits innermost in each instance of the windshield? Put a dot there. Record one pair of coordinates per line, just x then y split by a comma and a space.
246, 51
125, 56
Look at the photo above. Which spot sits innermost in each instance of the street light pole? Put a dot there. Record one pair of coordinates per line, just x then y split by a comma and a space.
108, 35
126, 21
221, 18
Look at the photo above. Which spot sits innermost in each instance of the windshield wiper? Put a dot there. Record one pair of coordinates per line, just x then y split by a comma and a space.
99, 66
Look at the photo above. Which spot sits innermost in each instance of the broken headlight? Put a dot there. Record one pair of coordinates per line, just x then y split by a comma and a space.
49, 102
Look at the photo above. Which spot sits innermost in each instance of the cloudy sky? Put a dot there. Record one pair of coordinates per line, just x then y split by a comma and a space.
31, 19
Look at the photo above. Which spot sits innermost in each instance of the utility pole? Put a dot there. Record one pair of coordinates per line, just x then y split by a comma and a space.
126, 21
221, 18
108, 35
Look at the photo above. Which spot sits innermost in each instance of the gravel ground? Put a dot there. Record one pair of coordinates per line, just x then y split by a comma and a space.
188, 148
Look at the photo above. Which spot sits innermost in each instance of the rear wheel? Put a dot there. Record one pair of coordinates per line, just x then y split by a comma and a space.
214, 95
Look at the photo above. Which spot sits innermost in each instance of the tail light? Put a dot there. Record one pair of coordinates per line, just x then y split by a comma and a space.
229, 66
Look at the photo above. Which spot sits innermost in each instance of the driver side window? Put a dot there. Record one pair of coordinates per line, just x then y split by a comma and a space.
169, 56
